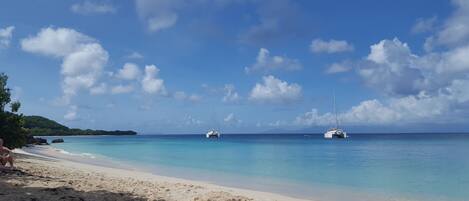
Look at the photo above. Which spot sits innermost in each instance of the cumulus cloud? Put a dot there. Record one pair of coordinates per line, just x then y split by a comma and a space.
83, 58
99, 89
338, 68
5, 36
134, 55
158, 15
91, 8
129, 71
150, 83
424, 25
455, 29
231, 96
428, 88
392, 68
267, 63
331, 46
420, 108
274, 90
120, 89
231, 119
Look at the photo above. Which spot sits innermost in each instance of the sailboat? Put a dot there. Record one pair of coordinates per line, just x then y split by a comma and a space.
335, 132
212, 134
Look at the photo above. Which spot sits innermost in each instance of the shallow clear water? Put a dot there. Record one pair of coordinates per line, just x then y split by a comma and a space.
412, 166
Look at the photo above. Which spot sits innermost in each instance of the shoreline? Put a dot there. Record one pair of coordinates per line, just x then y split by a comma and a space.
243, 188
100, 176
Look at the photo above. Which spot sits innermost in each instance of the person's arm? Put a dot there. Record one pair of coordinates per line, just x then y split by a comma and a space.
5, 151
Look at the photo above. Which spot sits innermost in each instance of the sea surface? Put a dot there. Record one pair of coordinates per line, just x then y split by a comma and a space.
362, 167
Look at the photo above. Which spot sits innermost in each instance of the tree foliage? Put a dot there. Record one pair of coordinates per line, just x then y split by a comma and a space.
11, 123
32, 122
41, 126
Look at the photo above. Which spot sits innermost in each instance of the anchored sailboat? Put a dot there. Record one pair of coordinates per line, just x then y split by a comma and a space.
212, 134
335, 132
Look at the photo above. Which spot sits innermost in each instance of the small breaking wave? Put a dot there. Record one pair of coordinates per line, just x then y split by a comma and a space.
75, 154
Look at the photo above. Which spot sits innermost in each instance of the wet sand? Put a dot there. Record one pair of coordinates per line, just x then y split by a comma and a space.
46, 179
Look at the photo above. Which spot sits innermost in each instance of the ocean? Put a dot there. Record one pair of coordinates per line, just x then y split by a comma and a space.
362, 167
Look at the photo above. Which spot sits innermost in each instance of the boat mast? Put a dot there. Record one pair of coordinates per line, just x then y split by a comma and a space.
335, 113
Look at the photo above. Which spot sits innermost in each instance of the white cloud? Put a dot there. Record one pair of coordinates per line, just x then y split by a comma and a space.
83, 57
230, 94
160, 22
273, 90
5, 36
231, 119
455, 30
410, 109
392, 68
58, 42
134, 55
338, 68
129, 71
331, 46
189, 120
150, 83
120, 89
428, 88
182, 96
71, 113
90, 8
278, 123
423, 25
267, 63
158, 15
99, 89
419, 89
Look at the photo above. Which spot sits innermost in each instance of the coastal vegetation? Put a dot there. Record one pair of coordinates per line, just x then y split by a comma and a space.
41, 126
16, 129
11, 123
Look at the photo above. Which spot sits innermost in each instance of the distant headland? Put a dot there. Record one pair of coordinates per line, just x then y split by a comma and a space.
41, 126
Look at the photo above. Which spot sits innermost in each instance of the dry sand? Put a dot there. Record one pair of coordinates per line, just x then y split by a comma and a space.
45, 179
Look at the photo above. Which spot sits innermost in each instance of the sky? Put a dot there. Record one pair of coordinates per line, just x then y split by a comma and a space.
240, 66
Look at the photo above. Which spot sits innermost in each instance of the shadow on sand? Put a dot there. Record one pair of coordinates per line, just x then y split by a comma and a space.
15, 191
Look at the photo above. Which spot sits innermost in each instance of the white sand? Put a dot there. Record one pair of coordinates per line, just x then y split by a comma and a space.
42, 178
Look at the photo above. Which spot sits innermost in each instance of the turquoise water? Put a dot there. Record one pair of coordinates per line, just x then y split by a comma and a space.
411, 166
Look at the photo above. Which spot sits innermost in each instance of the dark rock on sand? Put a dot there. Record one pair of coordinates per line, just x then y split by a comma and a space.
60, 140
37, 141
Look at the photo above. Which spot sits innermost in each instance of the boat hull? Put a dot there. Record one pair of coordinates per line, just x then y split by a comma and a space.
335, 134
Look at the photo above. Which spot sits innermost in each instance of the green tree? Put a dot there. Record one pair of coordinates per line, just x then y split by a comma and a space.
11, 123
4, 92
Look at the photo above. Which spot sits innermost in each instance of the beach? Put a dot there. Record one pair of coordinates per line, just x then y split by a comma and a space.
41, 178
254, 167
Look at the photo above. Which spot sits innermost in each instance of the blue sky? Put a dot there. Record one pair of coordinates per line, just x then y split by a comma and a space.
242, 66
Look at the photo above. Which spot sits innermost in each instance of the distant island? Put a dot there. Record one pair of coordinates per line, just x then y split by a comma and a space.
41, 126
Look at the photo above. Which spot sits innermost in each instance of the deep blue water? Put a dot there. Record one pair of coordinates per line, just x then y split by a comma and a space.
418, 166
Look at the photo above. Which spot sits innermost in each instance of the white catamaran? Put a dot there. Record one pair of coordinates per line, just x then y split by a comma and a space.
335, 132
212, 134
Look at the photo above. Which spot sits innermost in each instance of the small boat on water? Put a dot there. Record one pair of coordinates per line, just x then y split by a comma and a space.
212, 134
335, 132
